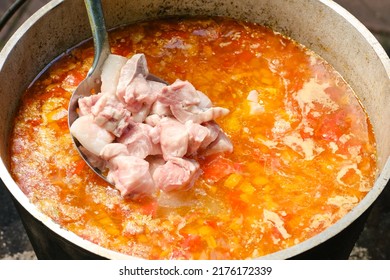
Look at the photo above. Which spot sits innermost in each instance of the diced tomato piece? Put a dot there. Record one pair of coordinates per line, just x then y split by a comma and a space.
192, 243
149, 208
236, 202
211, 223
34, 122
245, 56
333, 126
218, 167
79, 166
179, 254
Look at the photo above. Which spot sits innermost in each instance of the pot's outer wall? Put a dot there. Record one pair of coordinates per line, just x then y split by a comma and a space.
321, 25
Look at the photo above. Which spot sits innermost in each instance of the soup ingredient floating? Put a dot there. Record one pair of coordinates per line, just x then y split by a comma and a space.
145, 132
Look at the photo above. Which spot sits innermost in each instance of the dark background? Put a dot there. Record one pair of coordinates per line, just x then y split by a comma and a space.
374, 241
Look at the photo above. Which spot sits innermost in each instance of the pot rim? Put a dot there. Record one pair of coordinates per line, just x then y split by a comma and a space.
306, 245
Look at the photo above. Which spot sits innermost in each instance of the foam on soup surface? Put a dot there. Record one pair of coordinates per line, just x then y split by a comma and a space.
303, 147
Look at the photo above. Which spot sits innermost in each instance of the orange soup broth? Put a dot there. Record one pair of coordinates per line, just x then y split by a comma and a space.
303, 156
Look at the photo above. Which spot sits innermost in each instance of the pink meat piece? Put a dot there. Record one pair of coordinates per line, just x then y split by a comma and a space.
153, 120
111, 114
90, 135
160, 109
220, 145
205, 102
155, 134
133, 87
176, 174
93, 159
214, 131
131, 176
188, 104
155, 86
134, 66
196, 114
142, 114
140, 97
173, 138
154, 163
138, 94
196, 135
180, 92
86, 103
110, 73
155, 145
137, 140
207, 139
113, 150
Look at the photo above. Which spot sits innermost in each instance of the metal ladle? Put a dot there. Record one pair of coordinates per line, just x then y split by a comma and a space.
92, 82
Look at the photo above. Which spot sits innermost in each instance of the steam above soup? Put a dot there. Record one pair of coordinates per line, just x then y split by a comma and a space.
304, 151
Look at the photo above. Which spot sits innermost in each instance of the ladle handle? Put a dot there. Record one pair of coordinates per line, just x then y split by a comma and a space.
99, 33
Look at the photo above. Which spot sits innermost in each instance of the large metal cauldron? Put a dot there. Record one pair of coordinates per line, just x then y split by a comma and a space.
321, 25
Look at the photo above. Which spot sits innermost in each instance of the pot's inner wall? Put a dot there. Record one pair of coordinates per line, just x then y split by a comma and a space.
46, 35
